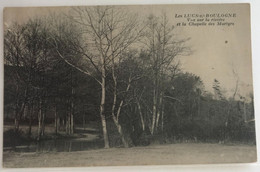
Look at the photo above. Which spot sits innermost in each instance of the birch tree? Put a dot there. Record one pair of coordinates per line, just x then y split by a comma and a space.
163, 48
106, 33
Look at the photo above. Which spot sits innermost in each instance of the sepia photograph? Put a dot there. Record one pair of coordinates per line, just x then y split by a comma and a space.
128, 85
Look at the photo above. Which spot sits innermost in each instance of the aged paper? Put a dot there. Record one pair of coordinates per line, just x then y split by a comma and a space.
128, 85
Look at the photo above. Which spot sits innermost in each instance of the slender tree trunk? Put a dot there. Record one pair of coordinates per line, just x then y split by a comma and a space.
18, 117
72, 112
244, 109
58, 123
226, 133
102, 105
39, 120
154, 80
120, 131
63, 123
72, 123
162, 111
159, 111
16, 123
154, 110
30, 124
19, 111
162, 116
43, 122
68, 123
56, 120
30, 111
66, 127
116, 117
141, 115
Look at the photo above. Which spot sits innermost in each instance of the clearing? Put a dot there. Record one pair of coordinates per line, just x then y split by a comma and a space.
167, 154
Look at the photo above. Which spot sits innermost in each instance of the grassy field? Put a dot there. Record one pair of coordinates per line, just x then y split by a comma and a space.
186, 153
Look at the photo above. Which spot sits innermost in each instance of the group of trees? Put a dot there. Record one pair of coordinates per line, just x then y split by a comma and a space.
104, 59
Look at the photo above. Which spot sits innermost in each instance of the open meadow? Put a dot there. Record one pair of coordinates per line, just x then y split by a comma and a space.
168, 154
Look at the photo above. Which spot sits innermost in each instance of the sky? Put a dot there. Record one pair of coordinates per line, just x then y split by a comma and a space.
218, 52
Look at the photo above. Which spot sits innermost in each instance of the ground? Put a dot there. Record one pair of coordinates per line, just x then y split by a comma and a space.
185, 153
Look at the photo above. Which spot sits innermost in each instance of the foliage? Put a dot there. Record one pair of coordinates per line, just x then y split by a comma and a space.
58, 69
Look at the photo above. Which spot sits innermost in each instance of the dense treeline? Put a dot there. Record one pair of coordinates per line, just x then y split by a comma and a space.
104, 64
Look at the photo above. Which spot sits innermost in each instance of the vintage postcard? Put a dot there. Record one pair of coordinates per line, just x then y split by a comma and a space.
128, 85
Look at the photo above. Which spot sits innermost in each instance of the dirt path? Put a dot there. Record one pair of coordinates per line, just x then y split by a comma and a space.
150, 155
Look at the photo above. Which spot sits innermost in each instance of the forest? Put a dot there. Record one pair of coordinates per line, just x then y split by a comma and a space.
108, 68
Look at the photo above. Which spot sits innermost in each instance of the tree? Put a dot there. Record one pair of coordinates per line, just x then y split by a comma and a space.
107, 32
162, 48
126, 71
13, 44
26, 50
